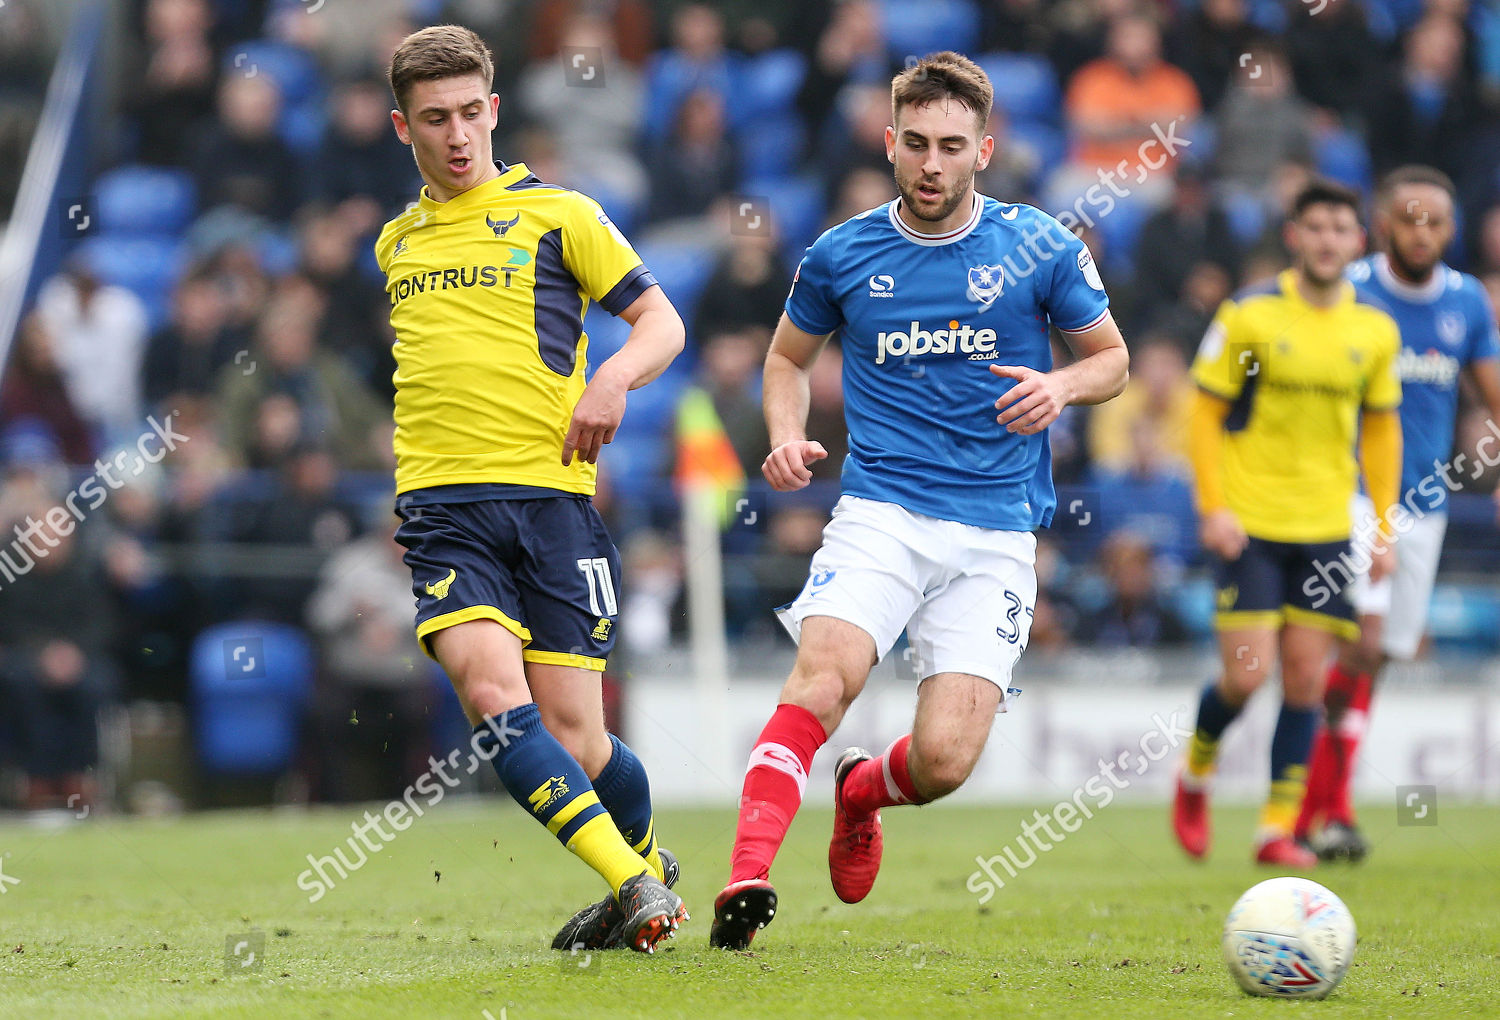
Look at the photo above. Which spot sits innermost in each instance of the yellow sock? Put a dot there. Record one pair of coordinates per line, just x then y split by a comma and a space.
646, 848
599, 845
1279, 816
1202, 753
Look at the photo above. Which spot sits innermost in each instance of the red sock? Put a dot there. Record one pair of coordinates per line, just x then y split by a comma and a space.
774, 782
882, 782
1327, 767
1321, 767
1351, 730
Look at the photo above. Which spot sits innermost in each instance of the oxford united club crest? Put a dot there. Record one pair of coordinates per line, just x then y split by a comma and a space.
985, 284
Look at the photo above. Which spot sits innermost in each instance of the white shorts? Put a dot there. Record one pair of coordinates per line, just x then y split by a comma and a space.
964, 595
1402, 597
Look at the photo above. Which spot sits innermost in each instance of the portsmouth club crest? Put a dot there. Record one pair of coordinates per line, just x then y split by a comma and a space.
985, 284
1451, 327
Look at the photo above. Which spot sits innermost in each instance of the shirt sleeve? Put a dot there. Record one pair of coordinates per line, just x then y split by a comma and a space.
812, 304
601, 259
1216, 369
1075, 300
1383, 391
1484, 332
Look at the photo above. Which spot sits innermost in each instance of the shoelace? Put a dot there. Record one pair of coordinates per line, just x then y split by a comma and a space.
859, 838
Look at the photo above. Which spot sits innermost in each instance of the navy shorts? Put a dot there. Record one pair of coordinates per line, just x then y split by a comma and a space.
1273, 583
543, 567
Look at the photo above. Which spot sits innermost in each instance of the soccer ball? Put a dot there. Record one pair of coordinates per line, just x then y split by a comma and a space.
1288, 938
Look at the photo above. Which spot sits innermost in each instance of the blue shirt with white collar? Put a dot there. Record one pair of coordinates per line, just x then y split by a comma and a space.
1445, 324
921, 318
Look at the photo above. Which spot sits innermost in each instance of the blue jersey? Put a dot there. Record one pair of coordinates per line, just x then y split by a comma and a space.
922, 318
1445, 324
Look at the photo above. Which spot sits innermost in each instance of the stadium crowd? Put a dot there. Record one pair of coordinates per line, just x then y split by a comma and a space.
229, 297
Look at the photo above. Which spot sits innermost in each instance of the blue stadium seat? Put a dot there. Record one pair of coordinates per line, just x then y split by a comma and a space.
1462, 618
670, 78
299, 81
250, 682
681, 269
797, 209
914, 28
295, 73
1193, 599
302, 128
279, 252
770, 82
1050, 144
607, 334
770, 144
1247, 216
1121, 229
147, 266
1025, 85
136, 200
1342, 156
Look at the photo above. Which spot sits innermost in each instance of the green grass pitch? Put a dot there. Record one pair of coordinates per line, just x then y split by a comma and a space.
129, 918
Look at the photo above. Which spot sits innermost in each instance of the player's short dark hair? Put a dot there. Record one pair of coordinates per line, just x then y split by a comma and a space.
440, 51
945, 75
1414, 173
1321, 191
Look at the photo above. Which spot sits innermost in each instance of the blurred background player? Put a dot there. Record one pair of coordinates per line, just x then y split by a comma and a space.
1447, 326
496, 440
933, 531
1289, 372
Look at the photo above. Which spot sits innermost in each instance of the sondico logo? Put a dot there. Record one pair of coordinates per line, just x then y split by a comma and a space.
978, 344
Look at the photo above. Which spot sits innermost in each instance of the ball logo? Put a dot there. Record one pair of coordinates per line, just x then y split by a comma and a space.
958, 338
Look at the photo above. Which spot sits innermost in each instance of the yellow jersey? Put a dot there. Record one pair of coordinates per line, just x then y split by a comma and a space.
488, 292
1297, 377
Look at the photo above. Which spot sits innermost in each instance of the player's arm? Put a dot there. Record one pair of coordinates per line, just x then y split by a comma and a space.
1220, 530
656, 337
1380, 448
787, 397
1100, 370
1380, 462
1485, 373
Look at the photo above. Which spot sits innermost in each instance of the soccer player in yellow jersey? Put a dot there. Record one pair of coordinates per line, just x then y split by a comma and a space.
497, 435
1289, 374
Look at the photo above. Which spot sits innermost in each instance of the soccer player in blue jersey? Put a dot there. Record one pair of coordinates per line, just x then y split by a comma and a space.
1447, 328
497, 435
943, 299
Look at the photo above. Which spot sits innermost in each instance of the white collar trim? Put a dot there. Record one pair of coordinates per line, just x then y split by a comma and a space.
934, 240
1417, 293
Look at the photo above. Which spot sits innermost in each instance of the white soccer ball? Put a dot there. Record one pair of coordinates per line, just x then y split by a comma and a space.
1289, 938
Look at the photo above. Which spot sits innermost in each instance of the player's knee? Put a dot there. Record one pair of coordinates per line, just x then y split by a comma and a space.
590, 749
941, 771
824, 690
1302, 688
1367, 656
1237, 685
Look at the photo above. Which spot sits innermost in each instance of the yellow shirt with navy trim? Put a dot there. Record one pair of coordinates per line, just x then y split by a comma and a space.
488, 292
1297, 377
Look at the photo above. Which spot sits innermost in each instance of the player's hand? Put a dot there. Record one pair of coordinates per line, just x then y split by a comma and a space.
595, 419
786, 467
1033, 403
1223, 535
1382, 560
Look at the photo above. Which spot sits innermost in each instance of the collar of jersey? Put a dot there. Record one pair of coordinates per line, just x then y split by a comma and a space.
1416, 293
933, 240
1288, 279
508, 175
